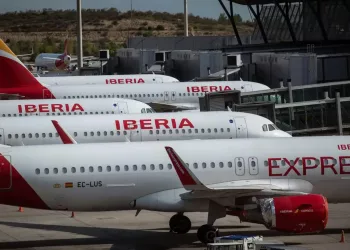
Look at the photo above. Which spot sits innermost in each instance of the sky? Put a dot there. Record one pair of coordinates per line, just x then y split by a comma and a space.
204, 8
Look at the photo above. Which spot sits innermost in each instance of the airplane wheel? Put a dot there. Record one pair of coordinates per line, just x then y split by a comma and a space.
180, 224
206, 234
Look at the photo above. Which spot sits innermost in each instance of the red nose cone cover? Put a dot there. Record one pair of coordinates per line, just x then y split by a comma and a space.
14, 190
301, 214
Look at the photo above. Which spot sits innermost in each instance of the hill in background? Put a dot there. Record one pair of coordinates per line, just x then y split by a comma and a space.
46, 30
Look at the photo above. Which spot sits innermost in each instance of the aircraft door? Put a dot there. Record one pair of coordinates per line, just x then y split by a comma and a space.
253, 165
2, 136
241, 125
47, 94
5, 172
159, 80
247, 88
173, 95
135, 134
239, 166
122, 108
166, 95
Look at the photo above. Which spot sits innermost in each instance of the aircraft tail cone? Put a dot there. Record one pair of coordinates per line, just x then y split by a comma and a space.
72, 216
20, 209
342, 238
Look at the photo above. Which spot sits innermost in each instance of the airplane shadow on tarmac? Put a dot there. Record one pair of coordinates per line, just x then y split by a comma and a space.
129, 238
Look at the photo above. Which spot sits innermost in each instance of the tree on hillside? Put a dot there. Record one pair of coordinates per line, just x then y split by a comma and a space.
223, 19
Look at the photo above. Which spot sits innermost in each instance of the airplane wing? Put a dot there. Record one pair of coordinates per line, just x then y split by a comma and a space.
197, 190
165, 107
64, 135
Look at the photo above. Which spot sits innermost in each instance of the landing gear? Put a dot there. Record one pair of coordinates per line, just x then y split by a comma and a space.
179, 224
207, 233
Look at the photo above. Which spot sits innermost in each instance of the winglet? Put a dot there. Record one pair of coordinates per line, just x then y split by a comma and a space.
186, 176
64, 135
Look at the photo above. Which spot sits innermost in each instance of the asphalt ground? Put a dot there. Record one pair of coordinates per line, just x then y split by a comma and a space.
53, 230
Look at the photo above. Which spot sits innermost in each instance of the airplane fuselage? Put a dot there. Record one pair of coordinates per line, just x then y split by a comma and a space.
116, 176
137, 127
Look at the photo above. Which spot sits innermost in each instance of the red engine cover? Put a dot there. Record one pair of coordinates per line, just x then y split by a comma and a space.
301, 214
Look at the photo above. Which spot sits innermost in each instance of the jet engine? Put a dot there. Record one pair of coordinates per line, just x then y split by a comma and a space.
295, 214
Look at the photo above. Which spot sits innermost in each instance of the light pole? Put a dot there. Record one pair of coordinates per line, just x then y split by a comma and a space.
79, 35
186, 18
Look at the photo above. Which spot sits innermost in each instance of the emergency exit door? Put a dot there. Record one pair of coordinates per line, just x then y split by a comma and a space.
135, 134
5, 172
122, 108
241, 127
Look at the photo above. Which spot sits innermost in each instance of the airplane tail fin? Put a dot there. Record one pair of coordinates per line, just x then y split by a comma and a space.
64, 135
13, 73
66, 47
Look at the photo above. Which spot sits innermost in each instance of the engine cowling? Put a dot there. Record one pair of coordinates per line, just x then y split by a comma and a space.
295, 214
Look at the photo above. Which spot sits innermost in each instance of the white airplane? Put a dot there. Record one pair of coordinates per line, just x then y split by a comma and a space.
282, 183
137, 127
107, 79
50, 107
17, 81
56, 61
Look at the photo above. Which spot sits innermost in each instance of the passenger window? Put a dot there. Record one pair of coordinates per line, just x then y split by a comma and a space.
75, 134
36, 135
117, 168
196, 131
55, 170
228, 129
99, 169
92, 133
209, 130
105, 133
64, 170
221, 164
152, 166
82, 169
212, 165
126, 168
183, 131
160, 166
134, 167
204, 165
170, 131
229, 164
37, 171
112, 133
264, 128
157, 132
170, 166
46, 171
43, 135
195, 165
91, 169
177, 131
215, 130
222, 130
143, 167
73, 170
124, 132
9, 136
98, 133
85, 133
189, 131
30, 135
23, 136
164, 131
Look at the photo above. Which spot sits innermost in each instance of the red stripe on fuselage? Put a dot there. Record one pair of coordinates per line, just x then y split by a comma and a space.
14, 190
15, 79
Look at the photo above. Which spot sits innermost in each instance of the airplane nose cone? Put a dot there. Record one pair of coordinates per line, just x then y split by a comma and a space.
281, 133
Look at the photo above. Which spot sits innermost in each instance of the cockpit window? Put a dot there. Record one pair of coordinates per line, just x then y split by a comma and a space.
264, 128
271, 127
143, 110
149, 111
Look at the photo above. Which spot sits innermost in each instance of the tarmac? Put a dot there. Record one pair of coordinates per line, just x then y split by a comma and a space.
54, 230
